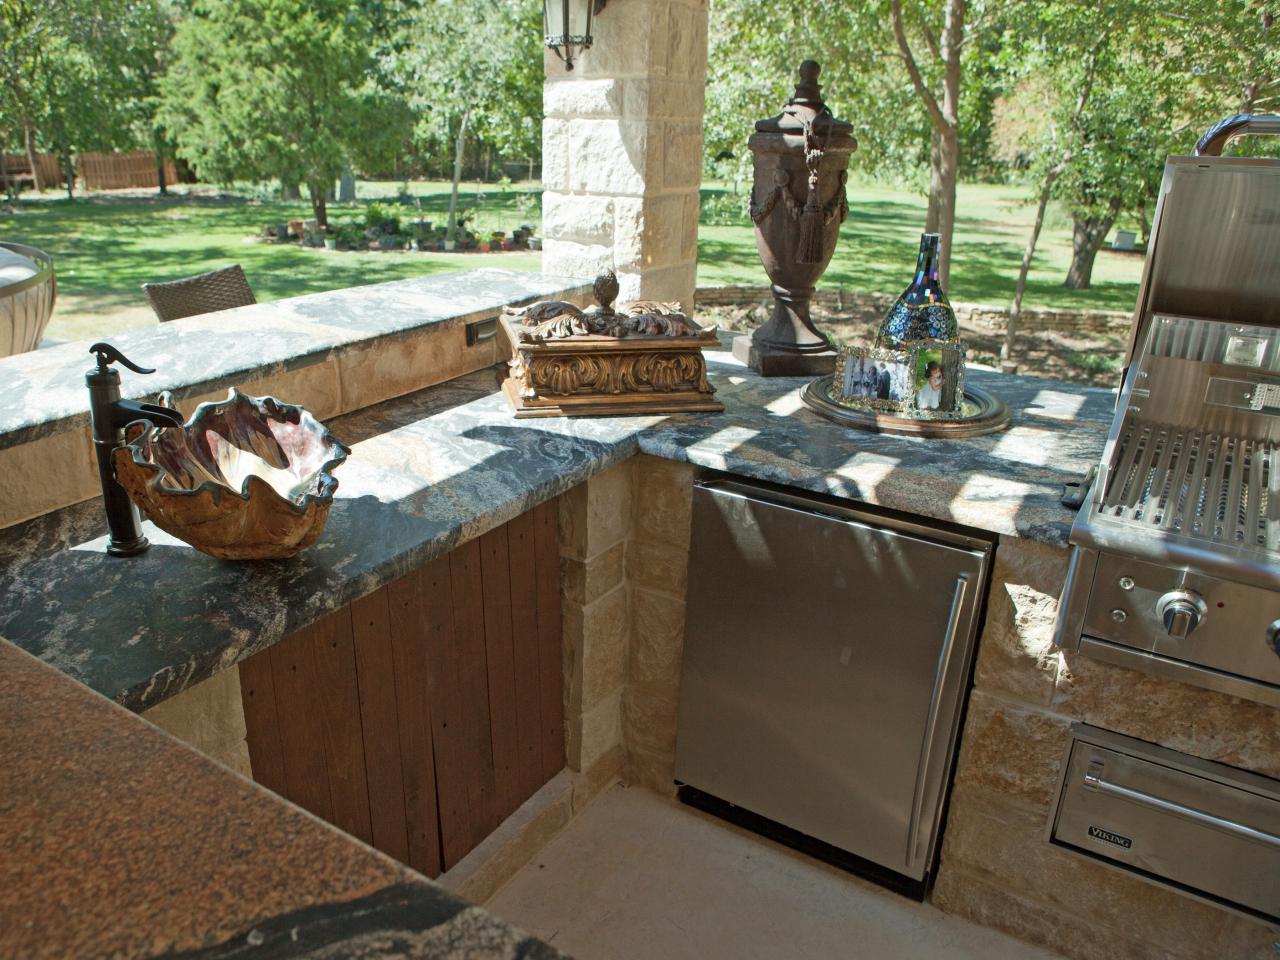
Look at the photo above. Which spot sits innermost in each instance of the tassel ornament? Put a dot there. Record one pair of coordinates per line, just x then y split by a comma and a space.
813, 220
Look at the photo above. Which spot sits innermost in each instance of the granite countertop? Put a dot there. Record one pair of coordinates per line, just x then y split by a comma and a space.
117, 840
43, 392
448, 463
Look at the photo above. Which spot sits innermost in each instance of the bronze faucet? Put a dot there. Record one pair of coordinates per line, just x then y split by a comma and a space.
111, 415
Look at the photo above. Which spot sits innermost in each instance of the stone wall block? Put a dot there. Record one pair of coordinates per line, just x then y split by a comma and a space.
1016, 654
585, 581
657, 640
1201, 722
591, 734
583, 98
692, 215
682, 158
675, 283
968, 895
596, 636
555, 155
664, 500
568, 258
608, 156
628, 41
651, 771
588, 220
48, 473
1011, 751
316, 387
209, 717
609, 506
687, 53
658, 566
628, 232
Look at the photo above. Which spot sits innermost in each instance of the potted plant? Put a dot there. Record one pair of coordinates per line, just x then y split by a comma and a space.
484, 246
331, 242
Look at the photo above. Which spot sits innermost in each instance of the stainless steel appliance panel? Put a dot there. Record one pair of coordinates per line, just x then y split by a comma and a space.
824, 668
1236, 629
1215, 242
1203, 827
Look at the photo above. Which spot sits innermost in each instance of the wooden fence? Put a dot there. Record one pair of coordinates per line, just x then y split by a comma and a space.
17, 167
119, 171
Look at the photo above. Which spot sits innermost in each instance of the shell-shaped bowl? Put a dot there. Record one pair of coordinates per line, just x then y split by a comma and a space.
246, 478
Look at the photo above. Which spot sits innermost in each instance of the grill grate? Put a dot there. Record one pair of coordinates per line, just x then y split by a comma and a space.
1209, 486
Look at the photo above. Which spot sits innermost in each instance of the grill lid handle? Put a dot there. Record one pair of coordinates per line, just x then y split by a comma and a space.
1224, 131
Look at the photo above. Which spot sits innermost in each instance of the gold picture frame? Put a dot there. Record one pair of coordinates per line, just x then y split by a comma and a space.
939, 366
870, 378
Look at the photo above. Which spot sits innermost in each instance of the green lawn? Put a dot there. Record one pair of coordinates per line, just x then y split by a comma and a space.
106, 246
878, 243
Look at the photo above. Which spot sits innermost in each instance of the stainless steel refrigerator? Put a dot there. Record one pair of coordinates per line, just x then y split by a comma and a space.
827, 657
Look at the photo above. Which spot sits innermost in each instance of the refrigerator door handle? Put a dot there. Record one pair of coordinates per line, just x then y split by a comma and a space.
931, 723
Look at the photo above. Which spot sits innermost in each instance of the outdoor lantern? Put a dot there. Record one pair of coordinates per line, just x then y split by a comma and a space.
566, 25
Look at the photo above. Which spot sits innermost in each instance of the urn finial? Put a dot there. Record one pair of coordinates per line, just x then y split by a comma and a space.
808, 92
605, 290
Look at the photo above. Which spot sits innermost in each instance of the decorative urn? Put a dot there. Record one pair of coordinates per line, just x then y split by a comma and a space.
798, 202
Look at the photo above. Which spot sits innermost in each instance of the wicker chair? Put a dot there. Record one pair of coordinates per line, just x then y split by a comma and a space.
27, 305
203, 293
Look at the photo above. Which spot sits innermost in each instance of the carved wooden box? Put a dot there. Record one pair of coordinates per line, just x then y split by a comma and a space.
642, 358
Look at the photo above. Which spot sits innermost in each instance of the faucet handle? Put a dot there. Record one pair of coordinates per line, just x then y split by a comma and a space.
106, 354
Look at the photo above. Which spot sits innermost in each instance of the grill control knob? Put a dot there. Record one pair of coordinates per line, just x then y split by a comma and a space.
1273, 637
1181, 611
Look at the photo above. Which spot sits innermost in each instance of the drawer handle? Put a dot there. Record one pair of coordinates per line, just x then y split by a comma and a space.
1093, 781
482, 330
931, 723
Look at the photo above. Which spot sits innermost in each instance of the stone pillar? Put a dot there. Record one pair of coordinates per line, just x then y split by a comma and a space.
622, 150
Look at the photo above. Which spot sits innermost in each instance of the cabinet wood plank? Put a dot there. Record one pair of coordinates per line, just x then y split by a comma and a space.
410, 631
335, 656
449, 733
524, 620
258, 694
298, 707
380, 723
473, 682
550, 633
500, 667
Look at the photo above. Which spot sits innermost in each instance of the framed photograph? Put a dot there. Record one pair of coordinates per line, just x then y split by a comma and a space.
875, 379
937, 377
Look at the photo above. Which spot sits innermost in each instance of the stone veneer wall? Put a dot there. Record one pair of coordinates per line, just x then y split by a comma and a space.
210, 718
997, 867
871, 308
625, 557
622, 150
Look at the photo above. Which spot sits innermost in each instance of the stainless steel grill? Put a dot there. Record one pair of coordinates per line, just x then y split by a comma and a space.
1207, 486
1175, 566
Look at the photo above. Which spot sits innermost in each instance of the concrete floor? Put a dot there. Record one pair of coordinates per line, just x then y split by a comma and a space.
638, 876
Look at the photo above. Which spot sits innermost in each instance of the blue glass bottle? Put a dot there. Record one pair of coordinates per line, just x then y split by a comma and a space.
922, 312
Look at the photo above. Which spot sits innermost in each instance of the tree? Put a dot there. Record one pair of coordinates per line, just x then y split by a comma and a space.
474, 70
67, 73
283, 88
943, 108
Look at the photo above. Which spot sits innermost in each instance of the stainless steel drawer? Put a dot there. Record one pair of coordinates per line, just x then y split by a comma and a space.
1205, 828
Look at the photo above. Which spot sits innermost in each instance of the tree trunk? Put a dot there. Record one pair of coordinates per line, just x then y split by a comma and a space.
1087, 235
157, 147
1015, 309
318, 192
29, 141
935, 184
64, 154
451, 233
289, 190
948, 173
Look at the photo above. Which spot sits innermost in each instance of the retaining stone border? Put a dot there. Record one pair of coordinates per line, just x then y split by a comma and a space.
870, 307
